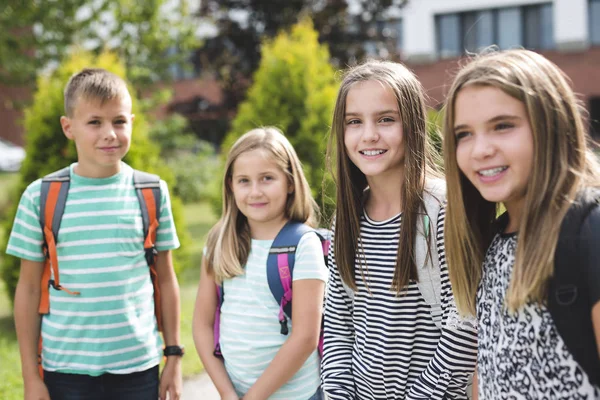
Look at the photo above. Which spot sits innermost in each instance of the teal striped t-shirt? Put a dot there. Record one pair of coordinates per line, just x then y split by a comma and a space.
111, 326
250, 330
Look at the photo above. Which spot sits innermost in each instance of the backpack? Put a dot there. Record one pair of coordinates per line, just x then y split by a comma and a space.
426, 259
280, 272
53, 198
568, 295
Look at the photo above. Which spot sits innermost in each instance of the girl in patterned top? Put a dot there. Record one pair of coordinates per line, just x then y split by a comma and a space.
515, 136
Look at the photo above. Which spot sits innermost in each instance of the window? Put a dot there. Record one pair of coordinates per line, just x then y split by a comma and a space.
384, 37
527, 26
594, 22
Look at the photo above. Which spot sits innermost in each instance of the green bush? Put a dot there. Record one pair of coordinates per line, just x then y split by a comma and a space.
294, 89
192, 161
49, 150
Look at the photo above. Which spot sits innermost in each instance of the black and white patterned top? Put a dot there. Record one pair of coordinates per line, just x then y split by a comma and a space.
521, 355
380, 346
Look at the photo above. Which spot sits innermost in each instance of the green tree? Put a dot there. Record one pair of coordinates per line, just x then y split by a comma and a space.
145, 35
294, 89
49, 150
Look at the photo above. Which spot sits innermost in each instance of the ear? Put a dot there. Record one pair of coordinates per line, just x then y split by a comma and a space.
132, 117
66, 124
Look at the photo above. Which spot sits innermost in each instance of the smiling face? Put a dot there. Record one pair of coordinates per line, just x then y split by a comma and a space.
494, 144
373, 134
260, 189
102, 134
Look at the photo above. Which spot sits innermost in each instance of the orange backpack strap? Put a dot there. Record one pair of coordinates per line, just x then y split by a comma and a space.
147, 188
53, 198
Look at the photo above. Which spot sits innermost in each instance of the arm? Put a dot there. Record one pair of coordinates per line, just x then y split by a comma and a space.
28, 324
475, 386
307, 298
336, 367
170, 380
202, 329
454, 361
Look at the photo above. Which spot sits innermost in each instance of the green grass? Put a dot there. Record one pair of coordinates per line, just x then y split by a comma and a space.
199, 219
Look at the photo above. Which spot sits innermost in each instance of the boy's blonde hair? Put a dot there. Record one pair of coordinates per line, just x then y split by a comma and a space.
228, 244
93, 84
562, 166
351, 182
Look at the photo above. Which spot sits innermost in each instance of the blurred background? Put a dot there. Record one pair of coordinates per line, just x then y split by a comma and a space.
203, 72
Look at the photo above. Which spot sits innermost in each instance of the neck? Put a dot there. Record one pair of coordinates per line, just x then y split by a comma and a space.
266, 230
515, 211
385, 196
88, 171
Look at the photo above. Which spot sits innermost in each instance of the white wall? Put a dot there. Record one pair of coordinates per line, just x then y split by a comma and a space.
570, 22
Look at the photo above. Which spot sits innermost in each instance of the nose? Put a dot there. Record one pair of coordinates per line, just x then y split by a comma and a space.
109, 134
483, 147
255, 190
370, 133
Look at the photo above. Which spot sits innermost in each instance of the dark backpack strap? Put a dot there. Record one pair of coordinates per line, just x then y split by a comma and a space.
280, 267
568, 296
217, 323
147, 189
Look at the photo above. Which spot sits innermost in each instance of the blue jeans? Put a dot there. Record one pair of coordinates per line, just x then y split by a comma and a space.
317, 396
136, 386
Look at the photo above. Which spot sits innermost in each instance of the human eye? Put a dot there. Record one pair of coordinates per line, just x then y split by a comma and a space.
242, 180
502, 126
387, 120
461, 135
121, 122
353, 121
94, 122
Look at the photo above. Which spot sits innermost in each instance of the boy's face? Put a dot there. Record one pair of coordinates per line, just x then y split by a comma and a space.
102, 134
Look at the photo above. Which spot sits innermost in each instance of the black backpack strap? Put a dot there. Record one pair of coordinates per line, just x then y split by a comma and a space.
569, 300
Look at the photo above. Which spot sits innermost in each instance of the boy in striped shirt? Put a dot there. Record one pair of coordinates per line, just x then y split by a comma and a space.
102, 342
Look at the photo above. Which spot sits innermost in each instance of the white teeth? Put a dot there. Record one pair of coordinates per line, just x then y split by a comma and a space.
492, 171
372, 152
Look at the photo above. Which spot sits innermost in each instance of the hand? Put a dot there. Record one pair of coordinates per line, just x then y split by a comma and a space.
231, 396
170, 379
36, 390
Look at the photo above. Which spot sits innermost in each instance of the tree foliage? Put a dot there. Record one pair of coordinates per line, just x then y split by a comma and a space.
48, 149
144, 34
294, 89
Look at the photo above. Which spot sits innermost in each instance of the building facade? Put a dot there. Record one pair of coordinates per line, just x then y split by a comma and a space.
437, 34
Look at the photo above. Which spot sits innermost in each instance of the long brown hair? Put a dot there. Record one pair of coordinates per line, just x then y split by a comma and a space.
228, 243
562, 166
351, 182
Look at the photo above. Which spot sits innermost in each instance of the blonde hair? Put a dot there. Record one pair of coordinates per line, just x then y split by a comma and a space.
228, 244
562, 166
93, 84
351, 182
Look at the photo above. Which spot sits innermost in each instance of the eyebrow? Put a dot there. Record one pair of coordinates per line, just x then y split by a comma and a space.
492, 120
356, 114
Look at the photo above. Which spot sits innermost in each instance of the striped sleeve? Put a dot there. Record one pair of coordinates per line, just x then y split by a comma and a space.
26, 236
454, 361
166, 236
336, 367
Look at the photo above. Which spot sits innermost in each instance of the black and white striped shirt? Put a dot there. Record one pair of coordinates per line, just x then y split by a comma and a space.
383, 346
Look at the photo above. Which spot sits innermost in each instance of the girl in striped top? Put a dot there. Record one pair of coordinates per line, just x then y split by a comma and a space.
263, 188
385, 336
